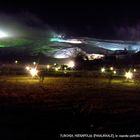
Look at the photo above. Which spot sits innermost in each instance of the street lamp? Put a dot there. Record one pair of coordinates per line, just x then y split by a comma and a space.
34, 63
111, 68
48, 66
129, 75
33, 72
114, 72
16, 61
102, 70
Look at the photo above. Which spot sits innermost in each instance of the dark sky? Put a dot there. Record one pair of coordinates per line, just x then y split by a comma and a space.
110, 20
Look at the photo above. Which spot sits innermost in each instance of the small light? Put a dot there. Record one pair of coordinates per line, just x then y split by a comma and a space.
111, 68
55, 64
114, 72
56, 69
16, 61
129, 75
48, 66
134, 70
34, 63
102, 70
27, 68
65, 68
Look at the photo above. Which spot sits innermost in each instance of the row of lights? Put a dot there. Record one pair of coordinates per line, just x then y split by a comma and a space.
128, 75
70, 64
16, 62
111, 68
33, 70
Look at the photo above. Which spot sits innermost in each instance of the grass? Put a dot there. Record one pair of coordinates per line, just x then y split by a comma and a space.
70, 105
95, 94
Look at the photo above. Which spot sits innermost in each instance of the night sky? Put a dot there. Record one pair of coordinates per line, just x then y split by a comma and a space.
109, 20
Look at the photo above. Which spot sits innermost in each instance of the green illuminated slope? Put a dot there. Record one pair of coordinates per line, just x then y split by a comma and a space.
14, 42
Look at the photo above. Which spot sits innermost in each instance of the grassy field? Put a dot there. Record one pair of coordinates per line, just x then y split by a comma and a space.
30, 108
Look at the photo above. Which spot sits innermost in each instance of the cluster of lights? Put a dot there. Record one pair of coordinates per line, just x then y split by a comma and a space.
56, 68
33, 70
103, 70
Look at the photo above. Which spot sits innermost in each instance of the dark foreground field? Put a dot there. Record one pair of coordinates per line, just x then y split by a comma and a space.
30, 109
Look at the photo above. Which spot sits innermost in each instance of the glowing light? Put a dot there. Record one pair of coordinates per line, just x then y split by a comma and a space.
59, 36
134, 70
102, 70
48, 66
129, 75
33, 72
55, 64
56, 40
94, 56
114, 72
67, 52
111, 68
16, 61
73, 41
34, 63
3, 34
71, 64
56, 69
65, 68
27, 68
